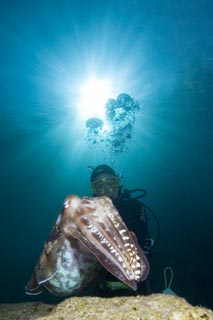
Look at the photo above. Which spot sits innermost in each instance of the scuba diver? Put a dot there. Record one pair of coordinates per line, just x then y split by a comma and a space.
105, 182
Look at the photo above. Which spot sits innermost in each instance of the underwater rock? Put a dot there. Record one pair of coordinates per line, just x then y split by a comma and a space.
153, 307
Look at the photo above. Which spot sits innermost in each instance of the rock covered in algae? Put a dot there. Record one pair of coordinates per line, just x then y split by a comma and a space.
153, 307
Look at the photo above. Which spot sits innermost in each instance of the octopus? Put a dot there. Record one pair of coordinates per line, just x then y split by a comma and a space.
88, 235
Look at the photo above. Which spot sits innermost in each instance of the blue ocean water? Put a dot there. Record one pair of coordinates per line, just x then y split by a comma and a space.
160, 53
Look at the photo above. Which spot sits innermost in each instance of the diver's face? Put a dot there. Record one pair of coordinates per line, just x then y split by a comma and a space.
106, 185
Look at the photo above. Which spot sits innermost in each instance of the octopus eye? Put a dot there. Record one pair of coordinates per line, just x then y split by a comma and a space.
66, 204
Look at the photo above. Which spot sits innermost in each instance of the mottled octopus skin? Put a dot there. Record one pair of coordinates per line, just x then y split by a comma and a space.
88, 234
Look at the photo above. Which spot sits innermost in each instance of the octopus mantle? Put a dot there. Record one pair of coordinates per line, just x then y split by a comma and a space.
88, 234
